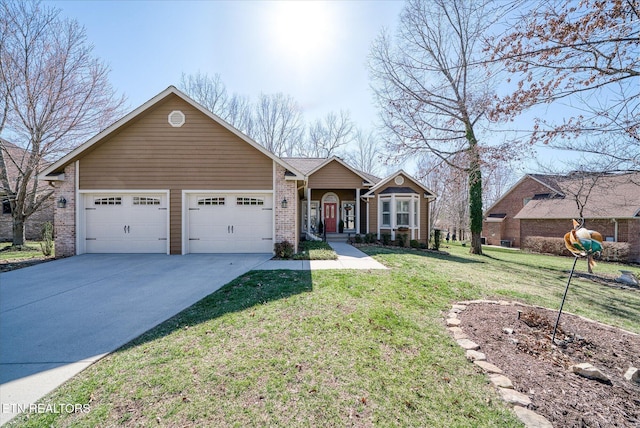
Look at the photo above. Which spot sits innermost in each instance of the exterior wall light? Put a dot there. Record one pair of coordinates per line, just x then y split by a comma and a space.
62, 202
285, 203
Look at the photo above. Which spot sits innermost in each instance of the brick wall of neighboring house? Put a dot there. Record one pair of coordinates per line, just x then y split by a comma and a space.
633, 237
628, 231
33, 226
65, 218
511, 204
285, 218
492, 232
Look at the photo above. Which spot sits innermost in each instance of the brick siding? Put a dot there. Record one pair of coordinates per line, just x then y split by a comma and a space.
65, 218
33, 225
285, 218
511, 205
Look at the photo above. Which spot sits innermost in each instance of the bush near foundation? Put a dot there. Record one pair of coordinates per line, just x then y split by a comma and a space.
613, 251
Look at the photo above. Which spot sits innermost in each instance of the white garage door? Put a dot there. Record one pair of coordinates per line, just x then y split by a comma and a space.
230, 223
126, 223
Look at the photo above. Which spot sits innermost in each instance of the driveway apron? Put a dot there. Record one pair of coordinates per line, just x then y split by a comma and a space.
59, 317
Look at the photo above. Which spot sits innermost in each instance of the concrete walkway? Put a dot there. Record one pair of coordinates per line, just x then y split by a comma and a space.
349, 257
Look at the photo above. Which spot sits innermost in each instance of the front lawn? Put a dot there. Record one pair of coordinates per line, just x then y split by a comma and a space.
315, 250
29, 251
328, 348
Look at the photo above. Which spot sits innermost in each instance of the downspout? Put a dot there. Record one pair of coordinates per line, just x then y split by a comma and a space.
615, 229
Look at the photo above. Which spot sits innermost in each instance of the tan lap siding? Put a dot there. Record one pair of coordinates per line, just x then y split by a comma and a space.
335, 176
151, 154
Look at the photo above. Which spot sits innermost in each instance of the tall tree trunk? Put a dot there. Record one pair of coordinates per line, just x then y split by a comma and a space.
18, 231
475, 194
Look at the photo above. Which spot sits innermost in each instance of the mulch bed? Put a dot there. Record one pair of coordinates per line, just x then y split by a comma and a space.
541, 370
8, 265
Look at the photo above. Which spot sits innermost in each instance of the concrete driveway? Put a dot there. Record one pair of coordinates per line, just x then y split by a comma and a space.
59, 317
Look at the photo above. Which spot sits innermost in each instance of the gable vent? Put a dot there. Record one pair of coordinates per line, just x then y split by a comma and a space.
176, 118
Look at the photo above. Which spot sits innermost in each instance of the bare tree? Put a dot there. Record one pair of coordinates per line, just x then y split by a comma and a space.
55, 94
433, 93
278, 123
497, 180
366, 154
327, 135
240, 114
451, 208
209, 91
584, 56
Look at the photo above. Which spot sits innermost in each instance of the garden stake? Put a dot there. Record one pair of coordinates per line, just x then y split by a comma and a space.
553, 338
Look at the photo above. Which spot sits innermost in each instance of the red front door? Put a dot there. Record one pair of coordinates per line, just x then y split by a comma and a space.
330, 209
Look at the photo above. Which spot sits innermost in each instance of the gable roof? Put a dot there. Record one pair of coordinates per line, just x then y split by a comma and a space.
609, 196
308, 166
55, 170
549, 181
380, 184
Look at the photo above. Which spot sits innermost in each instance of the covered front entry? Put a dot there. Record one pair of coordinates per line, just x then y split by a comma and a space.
125, 222
330, 216
229, 223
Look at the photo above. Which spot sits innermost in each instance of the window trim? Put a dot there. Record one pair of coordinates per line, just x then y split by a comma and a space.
383, 212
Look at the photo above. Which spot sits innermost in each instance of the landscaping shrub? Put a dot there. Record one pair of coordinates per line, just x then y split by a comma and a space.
47, 239
357, 239
320, 227
612, 252
370, 238
616, 252
414, 243
386, 239
401, 239
284, 250
545, 245
437, 239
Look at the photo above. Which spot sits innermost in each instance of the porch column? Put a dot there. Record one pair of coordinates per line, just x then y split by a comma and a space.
358, 211
392, 212
308, 210
412, 226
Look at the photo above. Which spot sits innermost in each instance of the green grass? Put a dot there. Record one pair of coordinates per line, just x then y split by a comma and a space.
29, 251
329, 348
315, 250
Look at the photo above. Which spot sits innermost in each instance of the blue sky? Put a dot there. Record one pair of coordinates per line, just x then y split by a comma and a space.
314, 51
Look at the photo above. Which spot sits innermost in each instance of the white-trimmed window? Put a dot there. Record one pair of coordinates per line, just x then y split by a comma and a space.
349, 215
145, 200
386, 213
415, 213
402, 213
249, 201
110, 200
216, 200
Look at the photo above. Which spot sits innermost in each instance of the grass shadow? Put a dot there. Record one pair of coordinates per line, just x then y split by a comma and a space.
249, 290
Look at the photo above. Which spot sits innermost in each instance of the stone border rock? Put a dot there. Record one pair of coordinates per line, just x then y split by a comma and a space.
503, 384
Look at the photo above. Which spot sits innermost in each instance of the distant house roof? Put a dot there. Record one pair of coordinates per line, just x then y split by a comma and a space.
604, 196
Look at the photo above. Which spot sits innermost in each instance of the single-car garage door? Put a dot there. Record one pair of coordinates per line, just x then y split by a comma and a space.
125, 223
230, 223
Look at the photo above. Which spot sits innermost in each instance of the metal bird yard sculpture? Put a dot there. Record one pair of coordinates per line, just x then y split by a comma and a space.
581, 242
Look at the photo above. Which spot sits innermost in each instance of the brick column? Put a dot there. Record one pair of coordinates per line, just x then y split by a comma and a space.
64, 219
285, 218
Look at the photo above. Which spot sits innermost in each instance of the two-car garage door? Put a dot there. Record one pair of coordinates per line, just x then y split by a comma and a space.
213, 223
